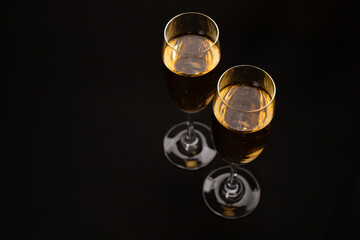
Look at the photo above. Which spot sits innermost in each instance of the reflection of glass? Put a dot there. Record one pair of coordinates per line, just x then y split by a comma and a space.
191, 53
242, 111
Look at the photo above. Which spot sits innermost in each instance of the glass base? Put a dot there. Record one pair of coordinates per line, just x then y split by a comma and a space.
231, 206
193, 158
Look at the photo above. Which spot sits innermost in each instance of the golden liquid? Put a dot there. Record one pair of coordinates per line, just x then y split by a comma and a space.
241, 136
191, 55
191, 71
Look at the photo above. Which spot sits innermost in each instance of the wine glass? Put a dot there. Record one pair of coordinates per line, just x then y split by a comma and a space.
191, 55
243, 108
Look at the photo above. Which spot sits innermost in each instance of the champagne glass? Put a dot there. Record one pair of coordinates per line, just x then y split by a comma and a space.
191, 55
243, 108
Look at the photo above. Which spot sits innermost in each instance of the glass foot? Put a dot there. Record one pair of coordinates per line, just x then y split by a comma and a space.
223, 203
183, 156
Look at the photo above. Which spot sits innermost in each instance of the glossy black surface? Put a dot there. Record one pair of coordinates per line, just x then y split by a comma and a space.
85, 109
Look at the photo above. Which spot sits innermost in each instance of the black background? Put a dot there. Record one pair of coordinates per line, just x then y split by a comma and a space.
85, 110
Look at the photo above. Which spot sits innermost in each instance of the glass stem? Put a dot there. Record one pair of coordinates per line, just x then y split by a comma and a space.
189, 141
232, 184
190, 135
233, 188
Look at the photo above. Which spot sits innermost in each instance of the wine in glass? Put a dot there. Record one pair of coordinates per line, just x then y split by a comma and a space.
191, 55
243, 108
